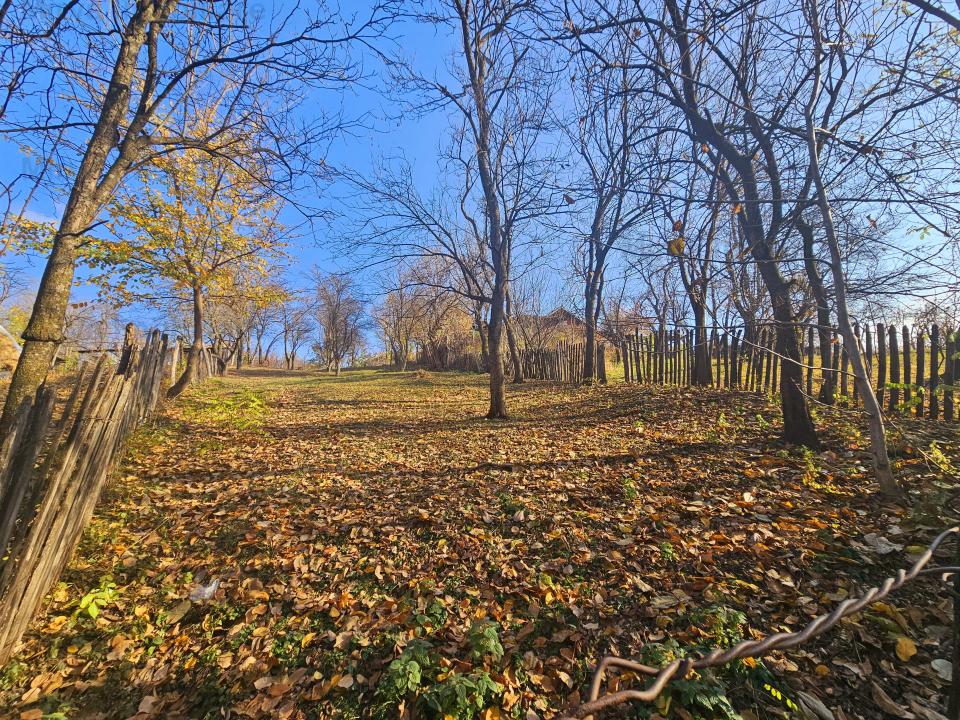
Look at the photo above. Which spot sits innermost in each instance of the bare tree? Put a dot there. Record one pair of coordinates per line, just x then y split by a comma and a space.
613, 135
398, 316
297, 325
121, 84
339, 312
502, 97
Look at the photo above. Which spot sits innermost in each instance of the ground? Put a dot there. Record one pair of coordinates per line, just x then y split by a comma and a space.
297, 545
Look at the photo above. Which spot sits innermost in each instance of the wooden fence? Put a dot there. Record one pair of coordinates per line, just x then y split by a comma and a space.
53, 469
913, 369
561, 364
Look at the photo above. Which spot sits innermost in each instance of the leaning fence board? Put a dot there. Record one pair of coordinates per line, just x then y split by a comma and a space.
948, 377
894, 398
934, 404
53, 472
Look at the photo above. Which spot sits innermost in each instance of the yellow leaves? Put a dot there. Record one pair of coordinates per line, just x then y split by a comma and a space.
676, 246
56, 624
893, 613
195, 219
906, 648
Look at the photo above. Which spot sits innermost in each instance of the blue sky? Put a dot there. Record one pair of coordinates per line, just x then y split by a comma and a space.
383, 133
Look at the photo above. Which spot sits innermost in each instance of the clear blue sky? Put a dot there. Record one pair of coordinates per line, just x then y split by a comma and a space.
383, 133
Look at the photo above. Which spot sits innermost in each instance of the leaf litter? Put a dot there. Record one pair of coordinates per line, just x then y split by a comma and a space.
302, 546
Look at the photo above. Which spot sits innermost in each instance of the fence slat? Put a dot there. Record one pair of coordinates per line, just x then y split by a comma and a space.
934, 404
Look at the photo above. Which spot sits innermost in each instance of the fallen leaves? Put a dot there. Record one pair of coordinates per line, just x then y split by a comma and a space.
906, 648
282, 565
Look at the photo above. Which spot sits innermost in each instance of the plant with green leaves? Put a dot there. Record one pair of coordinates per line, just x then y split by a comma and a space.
462, 697
402, 678
484, 640
723, 625
97, 599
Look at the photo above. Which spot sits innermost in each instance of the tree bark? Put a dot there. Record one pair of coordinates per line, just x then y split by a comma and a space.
702, 372
514, 350
498, 401
590, 329
878, 441
191, 370
44, 331
828, 385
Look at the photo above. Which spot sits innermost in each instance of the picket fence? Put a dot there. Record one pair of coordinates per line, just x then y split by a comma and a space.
53, 470
913, 369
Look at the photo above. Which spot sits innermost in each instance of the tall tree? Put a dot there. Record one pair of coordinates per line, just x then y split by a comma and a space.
339, 315
120, 83
613, 135
502, 96
193, 221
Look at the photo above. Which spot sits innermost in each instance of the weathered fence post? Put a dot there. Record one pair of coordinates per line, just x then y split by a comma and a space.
950, 349
881, 363
907, 375
921, 356
52, 501
856, 335
894, 400
934, 410
726, 360
844, 374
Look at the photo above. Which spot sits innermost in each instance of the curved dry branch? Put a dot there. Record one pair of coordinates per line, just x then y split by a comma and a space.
748, 648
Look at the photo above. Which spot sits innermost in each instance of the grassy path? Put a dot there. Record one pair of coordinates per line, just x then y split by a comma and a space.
302, 546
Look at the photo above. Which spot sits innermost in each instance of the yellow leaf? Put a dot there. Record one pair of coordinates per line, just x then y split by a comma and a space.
906, 648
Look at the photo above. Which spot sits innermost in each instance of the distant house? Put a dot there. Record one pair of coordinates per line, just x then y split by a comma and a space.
544, 331
9, 351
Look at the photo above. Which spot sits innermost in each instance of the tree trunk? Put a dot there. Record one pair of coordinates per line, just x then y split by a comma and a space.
44, 331
702, 372
514, 351
498, 401
196, 349
878, 441
828, 385
590, 329
798, 428
484, 346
